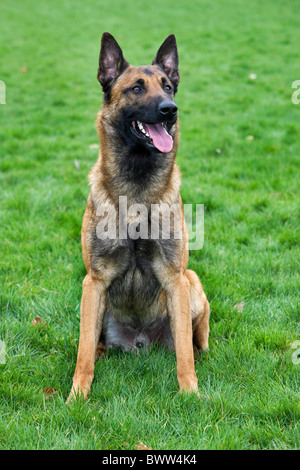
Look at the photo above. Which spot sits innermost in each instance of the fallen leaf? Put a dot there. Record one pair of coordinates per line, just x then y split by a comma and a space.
49, 392
142, 446
23, 69
37, 321
239, 307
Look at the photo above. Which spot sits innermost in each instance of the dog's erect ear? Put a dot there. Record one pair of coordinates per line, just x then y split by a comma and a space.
167, 59
111, 61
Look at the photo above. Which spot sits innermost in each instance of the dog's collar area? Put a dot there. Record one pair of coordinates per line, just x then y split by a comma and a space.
155, 134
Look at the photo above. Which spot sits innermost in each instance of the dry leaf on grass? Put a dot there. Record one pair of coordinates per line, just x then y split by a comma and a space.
37, 321
142, 446
49, 392
239, 307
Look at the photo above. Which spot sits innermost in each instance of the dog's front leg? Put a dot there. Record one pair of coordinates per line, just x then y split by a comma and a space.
92, 311
179, 311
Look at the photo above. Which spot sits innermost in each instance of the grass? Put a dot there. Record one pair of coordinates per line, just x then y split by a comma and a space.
250, 189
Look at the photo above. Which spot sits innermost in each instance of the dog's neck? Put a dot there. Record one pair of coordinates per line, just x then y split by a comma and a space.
143, 176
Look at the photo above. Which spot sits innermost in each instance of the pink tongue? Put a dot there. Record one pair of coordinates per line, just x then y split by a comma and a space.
161, 139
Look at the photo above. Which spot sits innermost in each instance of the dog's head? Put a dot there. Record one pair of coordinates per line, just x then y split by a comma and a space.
140, 100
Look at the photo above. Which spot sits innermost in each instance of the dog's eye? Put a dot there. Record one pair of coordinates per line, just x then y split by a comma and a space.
167, 88
136, 89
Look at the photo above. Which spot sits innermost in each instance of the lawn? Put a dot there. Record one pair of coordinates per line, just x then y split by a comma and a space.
239, 156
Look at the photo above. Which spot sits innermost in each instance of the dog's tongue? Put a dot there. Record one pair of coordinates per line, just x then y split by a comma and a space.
161, 139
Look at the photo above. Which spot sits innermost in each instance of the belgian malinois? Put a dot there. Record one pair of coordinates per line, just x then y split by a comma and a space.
138, 290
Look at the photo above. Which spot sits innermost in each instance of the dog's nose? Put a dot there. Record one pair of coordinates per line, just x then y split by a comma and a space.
167, 109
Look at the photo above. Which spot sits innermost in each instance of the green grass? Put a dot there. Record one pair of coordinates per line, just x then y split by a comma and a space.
252, 229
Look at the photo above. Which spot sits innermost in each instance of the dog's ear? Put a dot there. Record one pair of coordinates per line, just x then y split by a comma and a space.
167, 59
111, 61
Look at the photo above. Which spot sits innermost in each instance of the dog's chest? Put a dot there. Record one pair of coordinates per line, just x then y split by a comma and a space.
133, 296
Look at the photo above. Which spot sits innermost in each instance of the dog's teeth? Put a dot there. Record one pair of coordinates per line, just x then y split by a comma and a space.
141, 127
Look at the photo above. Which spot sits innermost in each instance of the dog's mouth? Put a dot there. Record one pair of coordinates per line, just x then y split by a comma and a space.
154, 134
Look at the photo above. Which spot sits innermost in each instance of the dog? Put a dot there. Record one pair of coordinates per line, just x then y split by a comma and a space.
138, 290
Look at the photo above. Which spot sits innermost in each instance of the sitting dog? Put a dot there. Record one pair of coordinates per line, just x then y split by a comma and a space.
138, 290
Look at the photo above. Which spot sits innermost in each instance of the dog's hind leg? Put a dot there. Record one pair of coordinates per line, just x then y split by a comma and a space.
200, 311
101, 350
